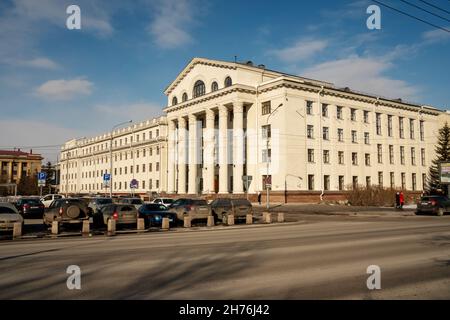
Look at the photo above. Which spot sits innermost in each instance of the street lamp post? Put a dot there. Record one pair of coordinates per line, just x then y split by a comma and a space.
267, 157
110, 155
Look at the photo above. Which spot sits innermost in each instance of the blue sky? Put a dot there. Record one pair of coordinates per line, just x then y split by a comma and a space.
57, 84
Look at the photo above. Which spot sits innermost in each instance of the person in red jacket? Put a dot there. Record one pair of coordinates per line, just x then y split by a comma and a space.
402, 200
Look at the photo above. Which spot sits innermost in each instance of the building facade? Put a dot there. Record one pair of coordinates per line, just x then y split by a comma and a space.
236, 128
16, 164
138, 152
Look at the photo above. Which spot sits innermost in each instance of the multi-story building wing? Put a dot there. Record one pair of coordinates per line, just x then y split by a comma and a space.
138, 152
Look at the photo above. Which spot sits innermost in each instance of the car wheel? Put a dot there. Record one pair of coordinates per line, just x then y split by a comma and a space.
440, 212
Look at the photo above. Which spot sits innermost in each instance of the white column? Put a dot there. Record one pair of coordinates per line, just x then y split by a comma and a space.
223, 149
208, 153
182, 145
171, 157
192, 187
238, 147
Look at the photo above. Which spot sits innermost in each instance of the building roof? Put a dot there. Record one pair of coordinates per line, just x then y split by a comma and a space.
18, 153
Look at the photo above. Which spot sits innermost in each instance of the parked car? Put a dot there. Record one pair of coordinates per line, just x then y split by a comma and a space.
8, 216
165, 201
122, 213
221, 208
30, 207
49, 198
67, 210
95, 207
195, 208
438, 205
137, 202
153, 213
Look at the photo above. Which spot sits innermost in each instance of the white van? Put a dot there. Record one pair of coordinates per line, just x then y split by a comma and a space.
48, 199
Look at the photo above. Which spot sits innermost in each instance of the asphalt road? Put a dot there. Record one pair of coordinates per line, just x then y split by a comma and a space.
317, 258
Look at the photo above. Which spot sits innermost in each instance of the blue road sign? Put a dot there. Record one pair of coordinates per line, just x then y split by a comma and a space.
134, 184
42, 175
106, 177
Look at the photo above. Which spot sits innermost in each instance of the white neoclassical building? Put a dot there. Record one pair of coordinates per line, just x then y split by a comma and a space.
303, 138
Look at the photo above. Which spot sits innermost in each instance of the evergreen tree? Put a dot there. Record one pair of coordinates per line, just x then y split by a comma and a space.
49, 170
28, 186
442, 155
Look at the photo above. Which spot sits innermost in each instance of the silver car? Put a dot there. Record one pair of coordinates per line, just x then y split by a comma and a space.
223, 207
194, 208
8, 216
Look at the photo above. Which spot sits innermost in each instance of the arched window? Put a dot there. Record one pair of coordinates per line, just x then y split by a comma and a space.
174, 101
199, 89
214, 86
184, 97
228, 82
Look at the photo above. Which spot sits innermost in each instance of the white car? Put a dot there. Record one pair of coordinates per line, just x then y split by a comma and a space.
49, 198
164, 201
8, 216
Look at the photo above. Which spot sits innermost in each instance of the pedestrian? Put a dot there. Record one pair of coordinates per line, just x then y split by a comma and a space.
397, 200
402, 200
259, 197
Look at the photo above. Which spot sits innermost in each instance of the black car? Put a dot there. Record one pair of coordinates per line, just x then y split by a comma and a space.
30, 207
153, 213
437, 205
67, 210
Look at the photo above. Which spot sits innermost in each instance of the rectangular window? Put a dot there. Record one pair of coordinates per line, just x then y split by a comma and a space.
366, 138
266, 108
403, 175
392, 181
422, 156
326, 156
380, 153
266, 154
341, 157
413, 156
157, 184
324, 110
353, 114
310, 131
378, 123
400, 128
339, 112
367, 159
341, 183
355, 182
354, 158
309, 107
414, 181
411, 128
340, 135
366, 116
354, 137
422, 132
325, 133
380, 178
424, 181
402, 155
391, 154
310, 182
266, 132
326, 182
311, 155
389, 125
157, 164
143, 167
143, 184
368, 181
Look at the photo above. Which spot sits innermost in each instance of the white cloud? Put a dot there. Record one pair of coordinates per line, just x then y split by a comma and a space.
64, 89
364, 74
301, 50
40, 63
435, 36
171, 22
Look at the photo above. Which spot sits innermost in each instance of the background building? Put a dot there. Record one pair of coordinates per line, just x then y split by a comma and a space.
17, 164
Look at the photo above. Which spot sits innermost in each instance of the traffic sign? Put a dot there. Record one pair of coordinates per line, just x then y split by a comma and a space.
42, 176
106, 179
134, 184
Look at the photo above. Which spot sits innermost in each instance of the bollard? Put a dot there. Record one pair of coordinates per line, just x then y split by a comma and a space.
187, 222
230, 220
17, 230
55, 227
267, 217
141, 224
111, 227
249, 219
85, 228
165, 224
210, 222
280, 217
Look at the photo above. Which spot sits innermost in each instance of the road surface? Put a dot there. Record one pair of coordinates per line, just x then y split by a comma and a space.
316, 258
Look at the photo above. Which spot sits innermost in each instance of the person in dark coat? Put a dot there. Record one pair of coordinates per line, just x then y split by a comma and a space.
259, 198
397, 200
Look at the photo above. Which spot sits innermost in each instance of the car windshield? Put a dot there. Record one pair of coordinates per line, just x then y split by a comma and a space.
241, 202
104, 201
6, 210
154, 207
31, 201
168, 201
179, 202
200, 202
434, 198
135, 201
